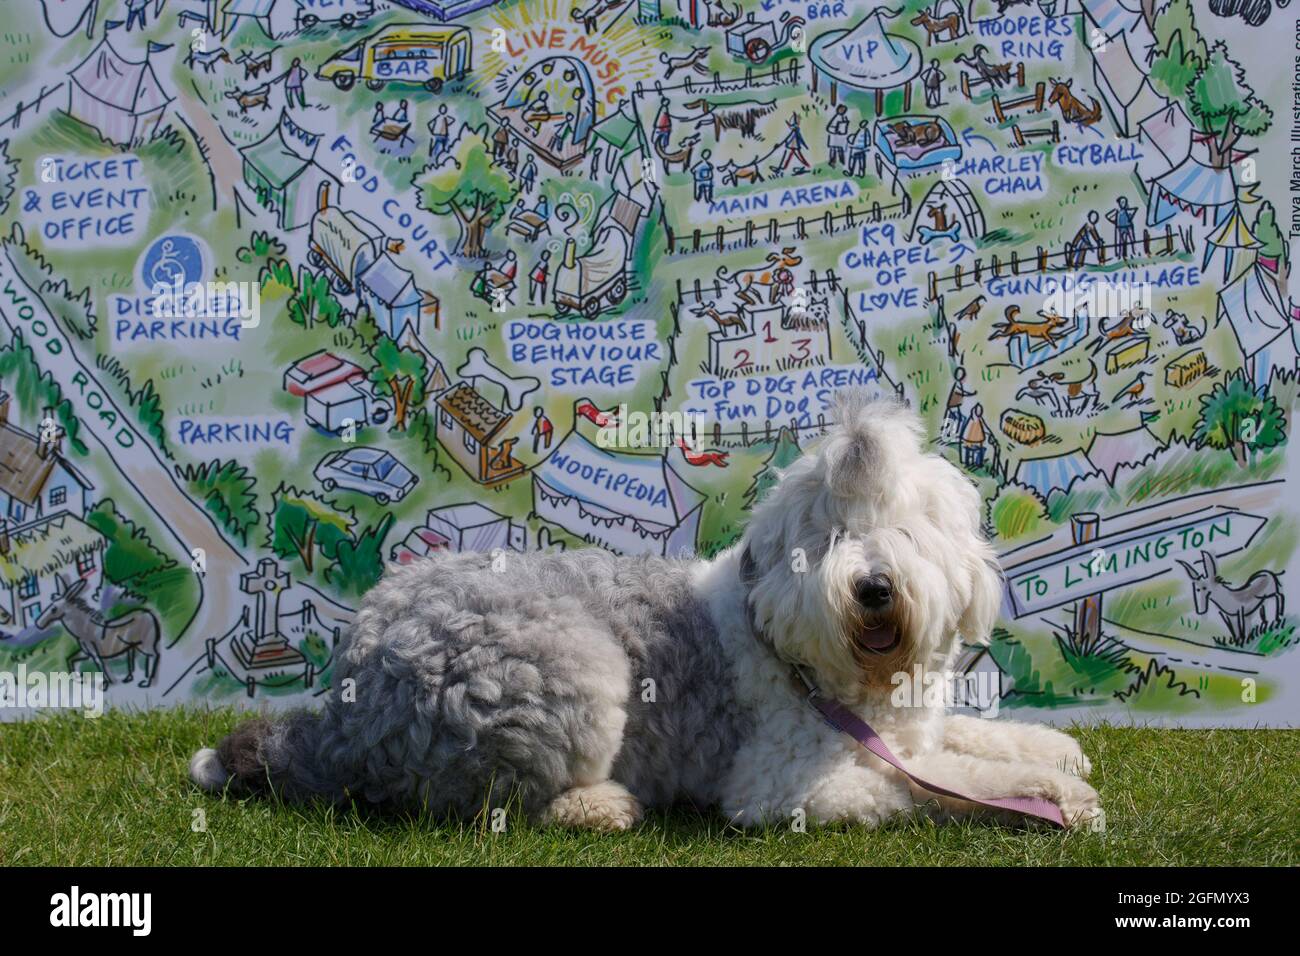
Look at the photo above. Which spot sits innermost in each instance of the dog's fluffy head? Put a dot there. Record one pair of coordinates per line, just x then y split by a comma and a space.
867, 556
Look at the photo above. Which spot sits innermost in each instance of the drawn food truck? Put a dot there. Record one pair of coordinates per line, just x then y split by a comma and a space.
408, 53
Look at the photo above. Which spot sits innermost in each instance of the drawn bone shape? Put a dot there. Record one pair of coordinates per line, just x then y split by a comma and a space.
517, 389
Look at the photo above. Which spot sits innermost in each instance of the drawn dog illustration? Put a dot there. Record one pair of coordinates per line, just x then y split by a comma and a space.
247, 100
761, 276
1046, 330
1071, 107
733, 174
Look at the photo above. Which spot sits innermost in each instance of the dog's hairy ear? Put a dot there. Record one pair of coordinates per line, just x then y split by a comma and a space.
981, 613
870, 431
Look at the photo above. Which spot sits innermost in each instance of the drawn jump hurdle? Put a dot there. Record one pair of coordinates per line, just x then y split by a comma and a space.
1033, 103
970, 83
1025, 353
1024, 137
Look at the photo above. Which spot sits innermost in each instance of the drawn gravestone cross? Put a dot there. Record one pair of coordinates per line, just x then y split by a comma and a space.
265, 647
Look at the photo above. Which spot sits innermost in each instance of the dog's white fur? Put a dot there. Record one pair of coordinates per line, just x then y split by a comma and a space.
871, 502
470, 681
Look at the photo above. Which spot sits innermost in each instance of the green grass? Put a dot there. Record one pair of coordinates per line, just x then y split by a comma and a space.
114, 791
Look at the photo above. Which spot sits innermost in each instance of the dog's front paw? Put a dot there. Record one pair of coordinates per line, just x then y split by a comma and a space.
604, 806
1080, 804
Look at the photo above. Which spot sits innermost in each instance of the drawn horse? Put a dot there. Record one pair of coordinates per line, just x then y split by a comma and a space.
101, 639
1235, 605
1071, 107
743, 116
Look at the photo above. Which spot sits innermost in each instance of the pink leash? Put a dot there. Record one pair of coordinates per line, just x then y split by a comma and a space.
846, 722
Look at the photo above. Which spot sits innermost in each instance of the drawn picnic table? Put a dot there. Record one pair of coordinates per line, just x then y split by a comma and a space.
394, 131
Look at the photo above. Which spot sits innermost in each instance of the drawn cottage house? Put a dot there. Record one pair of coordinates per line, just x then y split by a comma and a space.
35, 479
36, 559
468, 428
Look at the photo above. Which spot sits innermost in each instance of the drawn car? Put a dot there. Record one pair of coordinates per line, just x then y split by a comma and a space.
371, 471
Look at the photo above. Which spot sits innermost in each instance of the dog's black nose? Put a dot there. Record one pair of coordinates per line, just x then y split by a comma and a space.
874, 592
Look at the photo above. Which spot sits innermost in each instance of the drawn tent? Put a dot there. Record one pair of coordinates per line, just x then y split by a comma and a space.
277, 18
120, 98
1122, 80
1206, 192
628, 502
1166, 137
389, 291
1054, 472
1111, 451
866, 58
282, 171
1254, 307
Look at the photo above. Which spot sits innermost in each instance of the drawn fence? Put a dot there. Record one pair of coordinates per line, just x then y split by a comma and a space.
750, 234
15, 118
1046, 261
778, 74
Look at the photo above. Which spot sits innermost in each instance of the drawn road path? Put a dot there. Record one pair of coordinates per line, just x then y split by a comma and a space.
189, 524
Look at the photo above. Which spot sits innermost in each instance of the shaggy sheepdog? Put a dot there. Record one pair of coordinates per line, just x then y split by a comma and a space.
587, 686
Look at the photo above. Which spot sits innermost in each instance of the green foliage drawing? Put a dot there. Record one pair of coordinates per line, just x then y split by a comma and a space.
302, 524
1240, 418
400, 374
360, 563
226, 488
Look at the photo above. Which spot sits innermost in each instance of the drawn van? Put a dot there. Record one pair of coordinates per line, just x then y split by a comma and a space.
407, 53
346, 13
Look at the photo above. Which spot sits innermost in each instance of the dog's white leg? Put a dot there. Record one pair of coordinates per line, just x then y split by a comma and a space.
982, 779
606, 806
1016, 742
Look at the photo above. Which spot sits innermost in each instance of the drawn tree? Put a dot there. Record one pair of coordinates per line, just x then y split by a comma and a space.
300, 523
469, 186
1180, 51
1226, 105
399, 373
1266, 230
360, 562
1240, 418
784, 454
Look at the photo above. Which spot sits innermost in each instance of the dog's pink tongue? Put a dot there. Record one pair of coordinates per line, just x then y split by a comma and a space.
879, 638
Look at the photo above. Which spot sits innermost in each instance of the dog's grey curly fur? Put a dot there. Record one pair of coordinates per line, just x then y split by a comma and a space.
471, 683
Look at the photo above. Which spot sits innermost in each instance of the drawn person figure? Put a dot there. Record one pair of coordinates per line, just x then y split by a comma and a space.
379, 119
294, 78
794, 145
663, 125
537, 289
528, 175
1085, 239
500, 141
858, 144
837, 135
400, 115
702, 175
542, 429
135, 11
512, 155
564, 132
1122, 217
168, 270
975, 438
537, 114
439, 131
932, 79
952, 416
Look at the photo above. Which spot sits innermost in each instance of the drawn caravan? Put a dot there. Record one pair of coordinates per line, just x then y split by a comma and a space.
598, 280
346, 13
407, 53
443, 9
335, 393
344, 244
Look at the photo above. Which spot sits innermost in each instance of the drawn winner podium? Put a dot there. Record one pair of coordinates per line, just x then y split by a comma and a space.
263, 647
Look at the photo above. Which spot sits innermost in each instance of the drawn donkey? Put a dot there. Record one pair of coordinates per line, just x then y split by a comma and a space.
101, 640
1235, 605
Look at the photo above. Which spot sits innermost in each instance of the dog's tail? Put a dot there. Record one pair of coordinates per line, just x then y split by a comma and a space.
279, 754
